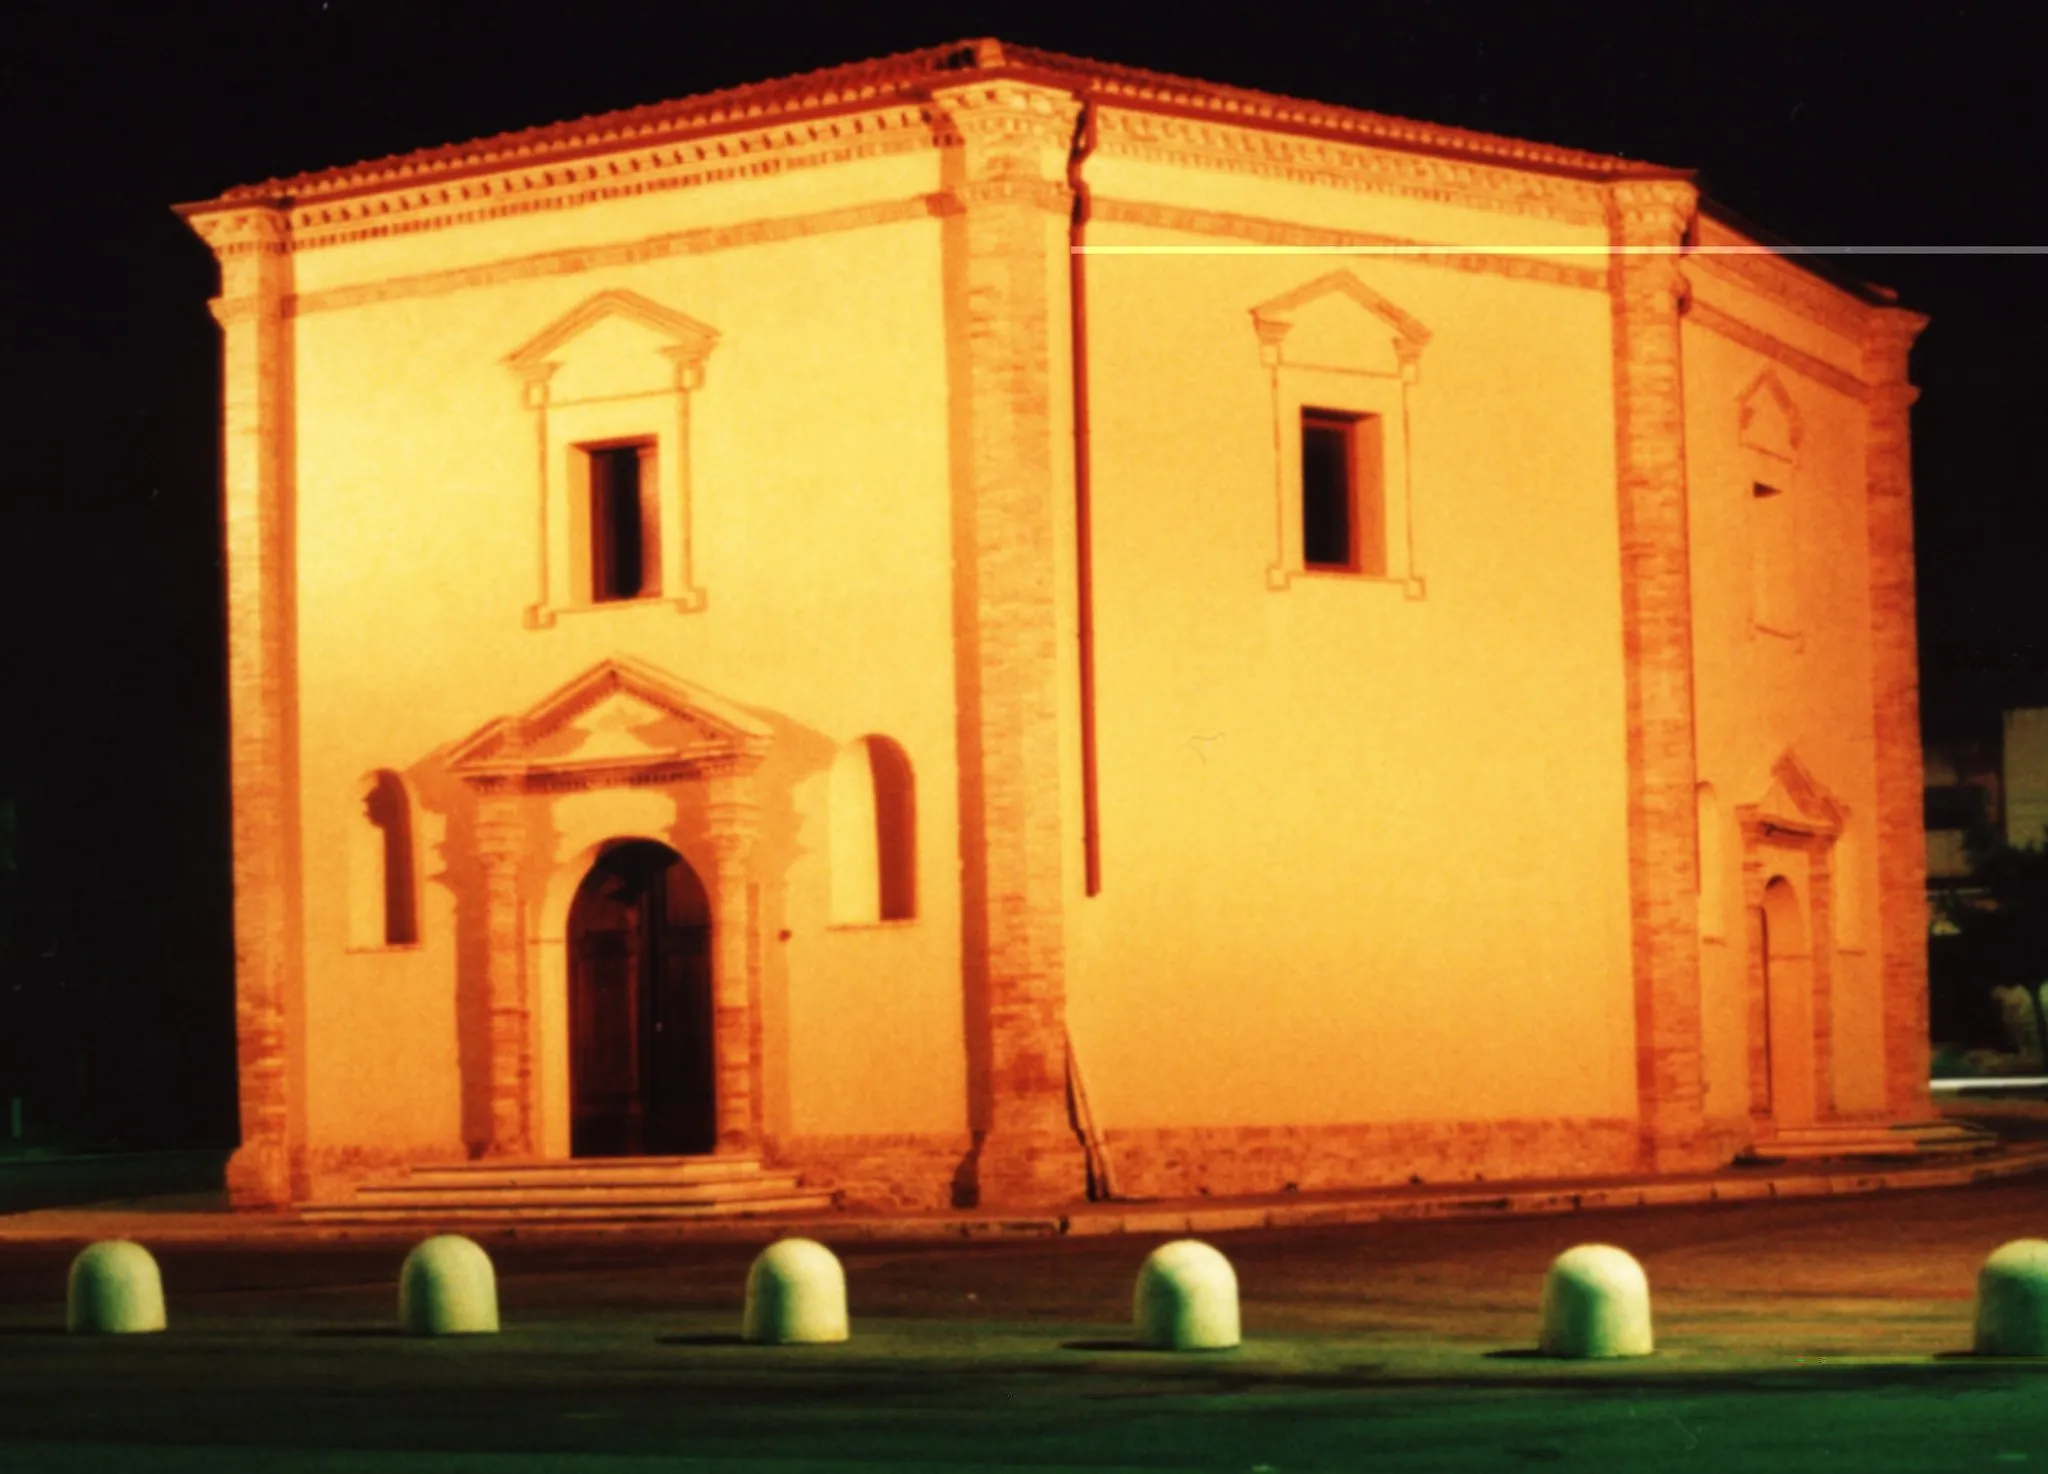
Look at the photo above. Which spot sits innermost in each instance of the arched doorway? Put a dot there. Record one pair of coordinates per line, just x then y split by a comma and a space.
1787, 960
640, 1052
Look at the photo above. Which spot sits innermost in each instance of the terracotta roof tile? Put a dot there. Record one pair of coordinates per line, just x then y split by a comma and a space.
911, 75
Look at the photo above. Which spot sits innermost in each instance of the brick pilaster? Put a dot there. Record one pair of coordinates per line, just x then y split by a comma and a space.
733, 819
1899, 834
1820, 880
252, 245
1656, 601
1008, 143
501, 839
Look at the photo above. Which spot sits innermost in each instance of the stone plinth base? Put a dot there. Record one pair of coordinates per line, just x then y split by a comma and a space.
1030, 1169
259, 1176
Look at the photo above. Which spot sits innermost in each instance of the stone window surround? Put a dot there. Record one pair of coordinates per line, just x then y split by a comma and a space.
1297, 386
1809, 827
1778, 467
564, 429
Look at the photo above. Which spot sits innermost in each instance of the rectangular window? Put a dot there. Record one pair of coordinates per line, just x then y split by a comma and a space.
625, 560
1343, 513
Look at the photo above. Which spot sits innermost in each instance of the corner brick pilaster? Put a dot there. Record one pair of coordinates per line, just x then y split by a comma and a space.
1009, 142
252, 245
1648, 220
1900, 840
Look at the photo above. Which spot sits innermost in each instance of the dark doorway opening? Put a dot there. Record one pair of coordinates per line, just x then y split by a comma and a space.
640, 1050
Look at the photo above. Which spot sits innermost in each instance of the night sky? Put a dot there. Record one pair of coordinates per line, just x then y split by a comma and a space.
1908, 126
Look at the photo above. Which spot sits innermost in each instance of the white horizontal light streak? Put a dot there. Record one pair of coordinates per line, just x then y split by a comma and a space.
1596, 249
2008, 1082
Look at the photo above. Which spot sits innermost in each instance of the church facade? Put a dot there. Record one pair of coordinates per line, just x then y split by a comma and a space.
985, 626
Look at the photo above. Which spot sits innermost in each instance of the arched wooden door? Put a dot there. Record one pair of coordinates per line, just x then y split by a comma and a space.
640, 1056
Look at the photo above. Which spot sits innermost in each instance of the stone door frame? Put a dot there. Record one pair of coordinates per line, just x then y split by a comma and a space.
513, 781
1799, 816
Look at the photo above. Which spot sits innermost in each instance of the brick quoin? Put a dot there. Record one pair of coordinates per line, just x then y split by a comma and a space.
1013, 142
252, 248
1656, 601
501, 834
1895, 681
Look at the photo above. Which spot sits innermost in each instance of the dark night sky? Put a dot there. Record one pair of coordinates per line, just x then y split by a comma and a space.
1908, 125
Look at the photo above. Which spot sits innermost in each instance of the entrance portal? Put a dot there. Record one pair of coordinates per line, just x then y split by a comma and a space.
1788, 1005
640, 1056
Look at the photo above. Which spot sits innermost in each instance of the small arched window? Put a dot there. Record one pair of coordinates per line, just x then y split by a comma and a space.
873, 834
383, 905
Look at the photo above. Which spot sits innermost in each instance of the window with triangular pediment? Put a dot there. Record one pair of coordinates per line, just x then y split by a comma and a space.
610, 385
1344, 362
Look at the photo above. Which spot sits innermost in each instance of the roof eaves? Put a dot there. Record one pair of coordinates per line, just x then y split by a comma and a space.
911, 75
1815, 265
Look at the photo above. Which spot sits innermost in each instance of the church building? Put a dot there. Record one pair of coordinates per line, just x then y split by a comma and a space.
984, 627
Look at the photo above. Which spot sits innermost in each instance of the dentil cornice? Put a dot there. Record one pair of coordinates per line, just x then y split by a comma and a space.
1888, 338
1651, 212
1005, 109
1229, 147
233, 231
405, 207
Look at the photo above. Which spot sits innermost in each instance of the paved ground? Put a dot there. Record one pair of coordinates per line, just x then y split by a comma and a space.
1792, 1335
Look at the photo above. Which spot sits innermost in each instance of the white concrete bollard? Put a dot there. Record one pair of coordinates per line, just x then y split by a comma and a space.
2012, 1300
115, 1289
1596, 1303
1186, 1299
447, 1288
796, 1295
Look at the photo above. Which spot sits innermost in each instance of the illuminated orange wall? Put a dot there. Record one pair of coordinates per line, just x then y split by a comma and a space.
1761, 692
1363, 843
822, 541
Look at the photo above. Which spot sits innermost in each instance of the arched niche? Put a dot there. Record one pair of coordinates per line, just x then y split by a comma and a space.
383, 892
872, 824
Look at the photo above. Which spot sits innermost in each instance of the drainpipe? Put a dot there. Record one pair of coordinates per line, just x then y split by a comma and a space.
1101, 1185
1084, 558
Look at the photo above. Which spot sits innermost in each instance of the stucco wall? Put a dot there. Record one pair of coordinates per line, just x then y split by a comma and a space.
821, 539
1364, 852
1363, 841
1805, 686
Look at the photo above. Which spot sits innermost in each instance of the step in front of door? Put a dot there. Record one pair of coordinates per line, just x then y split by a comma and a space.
642, 1211
591, 1171
1916, 1139
582, 1188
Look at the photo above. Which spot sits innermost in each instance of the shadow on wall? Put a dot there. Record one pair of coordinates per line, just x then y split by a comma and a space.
968, 556
461, 872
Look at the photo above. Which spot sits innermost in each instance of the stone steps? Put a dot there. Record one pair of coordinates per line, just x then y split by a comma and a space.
1851, 1139
624, 1189
584, 1172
